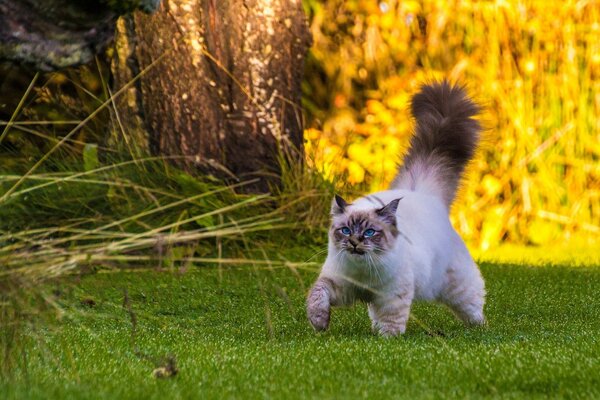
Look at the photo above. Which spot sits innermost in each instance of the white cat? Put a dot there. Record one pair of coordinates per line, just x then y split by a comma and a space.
391, 247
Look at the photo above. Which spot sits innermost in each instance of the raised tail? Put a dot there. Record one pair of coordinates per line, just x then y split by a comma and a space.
445, 139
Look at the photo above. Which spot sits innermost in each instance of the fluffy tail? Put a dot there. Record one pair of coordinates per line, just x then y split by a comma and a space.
444, 141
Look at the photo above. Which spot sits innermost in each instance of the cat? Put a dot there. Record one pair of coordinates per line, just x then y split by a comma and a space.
395, 246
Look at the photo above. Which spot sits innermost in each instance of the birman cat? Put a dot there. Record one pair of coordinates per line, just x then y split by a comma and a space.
392, 247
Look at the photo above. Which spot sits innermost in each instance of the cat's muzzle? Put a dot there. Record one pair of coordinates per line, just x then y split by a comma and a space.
355, 251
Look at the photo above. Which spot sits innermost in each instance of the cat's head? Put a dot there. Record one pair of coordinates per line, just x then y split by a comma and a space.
360, 233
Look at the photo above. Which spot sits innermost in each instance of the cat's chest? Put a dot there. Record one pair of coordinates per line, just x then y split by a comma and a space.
367, 275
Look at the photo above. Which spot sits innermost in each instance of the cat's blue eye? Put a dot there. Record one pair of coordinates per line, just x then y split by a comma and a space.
369, 233
345, 231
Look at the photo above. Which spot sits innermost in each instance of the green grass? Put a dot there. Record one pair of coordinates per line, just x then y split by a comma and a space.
242, 332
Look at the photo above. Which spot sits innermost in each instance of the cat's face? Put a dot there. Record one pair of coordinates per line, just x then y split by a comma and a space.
363, 233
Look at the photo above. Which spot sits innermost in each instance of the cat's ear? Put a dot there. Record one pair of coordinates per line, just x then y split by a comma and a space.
388, 212
338, 205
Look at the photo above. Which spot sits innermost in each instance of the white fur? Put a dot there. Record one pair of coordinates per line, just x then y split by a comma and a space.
428, 261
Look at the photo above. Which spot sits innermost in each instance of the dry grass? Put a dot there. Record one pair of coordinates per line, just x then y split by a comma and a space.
66, 209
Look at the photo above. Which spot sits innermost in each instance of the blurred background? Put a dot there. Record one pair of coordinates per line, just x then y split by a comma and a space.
534, 66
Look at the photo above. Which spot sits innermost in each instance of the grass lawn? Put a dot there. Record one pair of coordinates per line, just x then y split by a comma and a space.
245, 334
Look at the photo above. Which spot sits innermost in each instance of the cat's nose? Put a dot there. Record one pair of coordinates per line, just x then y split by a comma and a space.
353, 242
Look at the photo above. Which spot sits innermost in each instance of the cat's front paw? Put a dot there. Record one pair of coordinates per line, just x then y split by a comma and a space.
319, 318
318, 309
389, 330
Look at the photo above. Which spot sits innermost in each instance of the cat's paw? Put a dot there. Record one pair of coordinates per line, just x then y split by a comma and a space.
318, 308
319, 318
390, 330
475, 320
374, 327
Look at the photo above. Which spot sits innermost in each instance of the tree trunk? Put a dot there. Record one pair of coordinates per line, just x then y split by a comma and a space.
221, 83
55, 34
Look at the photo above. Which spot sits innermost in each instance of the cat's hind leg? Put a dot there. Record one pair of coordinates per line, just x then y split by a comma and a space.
464, 293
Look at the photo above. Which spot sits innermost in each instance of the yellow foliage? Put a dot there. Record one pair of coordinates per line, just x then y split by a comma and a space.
356, 173
534, 66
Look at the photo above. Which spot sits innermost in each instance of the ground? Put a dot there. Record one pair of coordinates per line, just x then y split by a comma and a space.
242, 332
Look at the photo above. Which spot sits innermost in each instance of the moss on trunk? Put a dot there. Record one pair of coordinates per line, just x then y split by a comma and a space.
54, 34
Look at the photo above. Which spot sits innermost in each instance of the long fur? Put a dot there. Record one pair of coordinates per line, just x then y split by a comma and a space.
445, 139
391, 247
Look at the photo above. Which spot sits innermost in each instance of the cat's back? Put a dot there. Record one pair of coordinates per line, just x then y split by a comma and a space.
414, 206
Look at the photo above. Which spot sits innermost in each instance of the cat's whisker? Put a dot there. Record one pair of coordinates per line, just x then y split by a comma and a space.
371, 265
378, 248
378, 259
318, 253
338, 260
405, 237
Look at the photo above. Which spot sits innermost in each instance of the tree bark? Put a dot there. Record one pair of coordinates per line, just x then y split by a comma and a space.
226, 92
55, 34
